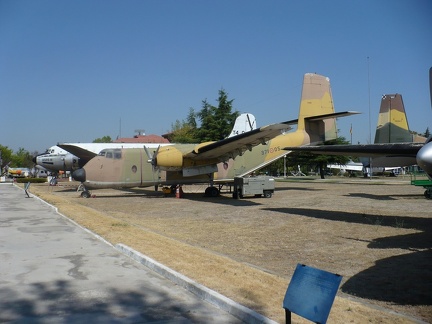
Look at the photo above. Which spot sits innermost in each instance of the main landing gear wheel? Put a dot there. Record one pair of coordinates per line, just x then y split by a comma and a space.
428, 193
212, 192
85, 194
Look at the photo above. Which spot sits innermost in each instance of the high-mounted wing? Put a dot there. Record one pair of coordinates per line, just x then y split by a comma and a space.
83, 154
372, 150
233, 146
236, 145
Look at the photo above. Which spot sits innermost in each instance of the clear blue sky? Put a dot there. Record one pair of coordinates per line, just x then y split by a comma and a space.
71, 70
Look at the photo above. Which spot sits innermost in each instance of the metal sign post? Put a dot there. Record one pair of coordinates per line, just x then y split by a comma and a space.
311, 293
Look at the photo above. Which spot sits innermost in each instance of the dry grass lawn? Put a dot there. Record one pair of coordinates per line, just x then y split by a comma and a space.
375, 233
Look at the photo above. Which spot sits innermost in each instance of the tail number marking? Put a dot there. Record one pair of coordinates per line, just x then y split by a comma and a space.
270, 150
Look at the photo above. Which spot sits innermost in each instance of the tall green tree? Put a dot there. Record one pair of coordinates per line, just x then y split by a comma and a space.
216, 122
104, 139
208, 129
6, 155
22, 159
184, 131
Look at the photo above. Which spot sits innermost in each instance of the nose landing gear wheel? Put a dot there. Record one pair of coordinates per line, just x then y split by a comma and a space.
85, 194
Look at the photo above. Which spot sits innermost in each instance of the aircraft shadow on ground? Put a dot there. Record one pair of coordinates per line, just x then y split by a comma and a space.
402, 279
67, 190
382, 197
423, 224
297, 189
59, 301
370, 196
147, 193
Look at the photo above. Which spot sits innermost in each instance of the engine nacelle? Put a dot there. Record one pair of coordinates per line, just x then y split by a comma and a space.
71, 162
169, 158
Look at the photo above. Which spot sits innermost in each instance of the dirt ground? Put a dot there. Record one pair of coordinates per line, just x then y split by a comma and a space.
375, 233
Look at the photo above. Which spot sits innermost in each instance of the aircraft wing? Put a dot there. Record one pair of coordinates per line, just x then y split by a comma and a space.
372, 150
236, 145
83, 154
233, 146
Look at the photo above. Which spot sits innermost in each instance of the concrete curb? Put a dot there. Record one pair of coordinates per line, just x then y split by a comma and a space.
241, 312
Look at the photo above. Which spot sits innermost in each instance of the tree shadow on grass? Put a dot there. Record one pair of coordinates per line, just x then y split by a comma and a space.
401, 279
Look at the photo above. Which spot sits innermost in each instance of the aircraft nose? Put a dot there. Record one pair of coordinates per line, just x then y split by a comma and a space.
34, 159
79, 175
424, 158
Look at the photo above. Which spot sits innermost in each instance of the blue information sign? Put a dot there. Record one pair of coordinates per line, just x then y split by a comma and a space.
311, 293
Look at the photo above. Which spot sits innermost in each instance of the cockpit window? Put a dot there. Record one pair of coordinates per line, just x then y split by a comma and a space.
111, 153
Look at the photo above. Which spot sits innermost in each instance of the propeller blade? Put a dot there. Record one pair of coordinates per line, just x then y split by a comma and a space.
149, 155
152, 160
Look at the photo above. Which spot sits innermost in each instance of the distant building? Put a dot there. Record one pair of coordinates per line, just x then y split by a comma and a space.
142, 139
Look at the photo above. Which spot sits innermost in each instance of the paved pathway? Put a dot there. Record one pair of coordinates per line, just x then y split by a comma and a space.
53, 271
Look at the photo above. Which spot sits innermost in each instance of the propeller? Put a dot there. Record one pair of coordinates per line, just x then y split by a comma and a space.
152, 159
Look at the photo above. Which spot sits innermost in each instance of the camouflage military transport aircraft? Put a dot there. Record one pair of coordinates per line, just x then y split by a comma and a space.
219, 161
392, 127
389, 151
56, 159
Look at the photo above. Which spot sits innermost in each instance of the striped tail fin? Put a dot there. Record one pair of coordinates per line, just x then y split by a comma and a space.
392, 126
316, 100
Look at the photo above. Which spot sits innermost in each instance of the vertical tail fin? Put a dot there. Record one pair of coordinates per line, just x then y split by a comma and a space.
316, 100
243, 123
392, 126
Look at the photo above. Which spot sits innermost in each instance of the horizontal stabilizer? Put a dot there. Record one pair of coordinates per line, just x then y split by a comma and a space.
323, 117
333, 115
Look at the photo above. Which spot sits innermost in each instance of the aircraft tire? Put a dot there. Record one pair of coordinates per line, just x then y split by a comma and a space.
428, 194
212, 192
85, 194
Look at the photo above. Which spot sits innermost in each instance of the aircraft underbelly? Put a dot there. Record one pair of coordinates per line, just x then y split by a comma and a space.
107, 185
